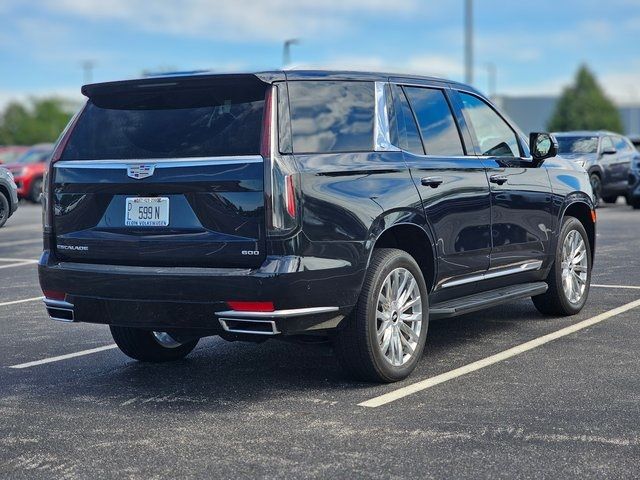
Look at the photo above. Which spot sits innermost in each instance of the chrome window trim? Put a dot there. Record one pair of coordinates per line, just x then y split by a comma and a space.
512, 270
159, 162
381, 134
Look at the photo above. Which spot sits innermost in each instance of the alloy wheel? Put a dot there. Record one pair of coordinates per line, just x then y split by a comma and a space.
574, 266
398, 317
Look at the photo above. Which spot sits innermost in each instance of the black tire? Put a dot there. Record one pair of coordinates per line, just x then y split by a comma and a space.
610, 199
596, 186
35, 195
356, 344
634, 202
555, 300
141, 345
5, 209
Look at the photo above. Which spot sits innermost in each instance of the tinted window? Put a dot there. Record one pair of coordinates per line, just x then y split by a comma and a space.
607, 143
577, 144
408, 136
438, 128
621, 144
494, 136
225, 119
329, 116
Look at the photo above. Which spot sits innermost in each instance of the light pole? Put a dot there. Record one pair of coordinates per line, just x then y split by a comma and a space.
492, 79
286, 50
468, 41
87, 70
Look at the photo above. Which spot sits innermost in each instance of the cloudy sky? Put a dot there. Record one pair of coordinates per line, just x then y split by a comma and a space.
535, 47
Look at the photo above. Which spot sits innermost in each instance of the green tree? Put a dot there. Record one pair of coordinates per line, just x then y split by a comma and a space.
41, 120
584, 106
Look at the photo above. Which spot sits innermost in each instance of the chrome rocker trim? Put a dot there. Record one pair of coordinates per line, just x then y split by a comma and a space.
525, 267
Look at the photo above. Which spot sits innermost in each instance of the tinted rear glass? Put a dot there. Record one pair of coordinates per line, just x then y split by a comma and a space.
577, 144
331, 116
223, 119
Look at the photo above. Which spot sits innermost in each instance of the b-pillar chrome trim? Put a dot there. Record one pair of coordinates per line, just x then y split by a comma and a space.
381, 132
512, 270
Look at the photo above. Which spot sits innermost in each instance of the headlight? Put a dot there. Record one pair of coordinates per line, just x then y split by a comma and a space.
24, 171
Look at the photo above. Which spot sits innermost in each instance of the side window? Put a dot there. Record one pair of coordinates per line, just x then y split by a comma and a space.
439, 132
621, 144
408, 137
331, 116
494, 136
607, 144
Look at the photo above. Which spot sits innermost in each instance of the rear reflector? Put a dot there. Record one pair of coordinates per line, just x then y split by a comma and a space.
54, 295
251, 306
291, 196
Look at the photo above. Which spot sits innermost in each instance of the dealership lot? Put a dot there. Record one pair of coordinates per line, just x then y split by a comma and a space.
565, 408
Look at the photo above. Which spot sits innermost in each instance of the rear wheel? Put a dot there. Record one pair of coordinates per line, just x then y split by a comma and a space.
5, 208
148, 346
384, 337
634, 202
610, 199
570, 276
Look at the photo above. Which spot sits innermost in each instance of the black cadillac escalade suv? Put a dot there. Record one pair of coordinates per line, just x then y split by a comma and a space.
348, 206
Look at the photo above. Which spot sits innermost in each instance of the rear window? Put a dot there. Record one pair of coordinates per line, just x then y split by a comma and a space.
331, 116
170, 122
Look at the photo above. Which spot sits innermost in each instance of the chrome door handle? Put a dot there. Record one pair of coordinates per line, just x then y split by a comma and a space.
499, 179
433, 182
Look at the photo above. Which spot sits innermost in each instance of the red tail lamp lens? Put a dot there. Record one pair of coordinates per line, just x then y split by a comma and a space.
252, 306
291, 197
54, 295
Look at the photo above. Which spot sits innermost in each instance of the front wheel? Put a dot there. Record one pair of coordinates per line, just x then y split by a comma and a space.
570, 275
384, 337
634, 202
148, 346
610, 199
596, 186
5, 208
35, 195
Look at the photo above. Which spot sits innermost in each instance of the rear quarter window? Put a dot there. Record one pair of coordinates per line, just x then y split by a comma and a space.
331, 116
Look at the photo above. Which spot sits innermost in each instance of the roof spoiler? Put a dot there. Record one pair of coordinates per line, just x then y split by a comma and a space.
182, 81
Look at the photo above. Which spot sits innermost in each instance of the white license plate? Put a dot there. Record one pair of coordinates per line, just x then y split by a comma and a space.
146, 212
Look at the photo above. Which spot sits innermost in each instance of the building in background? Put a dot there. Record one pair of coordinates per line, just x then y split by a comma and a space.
532, 113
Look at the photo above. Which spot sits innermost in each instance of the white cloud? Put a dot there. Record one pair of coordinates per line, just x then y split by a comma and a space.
235, 20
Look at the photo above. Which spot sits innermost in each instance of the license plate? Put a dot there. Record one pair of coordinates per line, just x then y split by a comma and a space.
147, 212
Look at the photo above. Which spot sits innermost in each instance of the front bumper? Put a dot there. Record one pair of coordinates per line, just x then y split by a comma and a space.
161, 298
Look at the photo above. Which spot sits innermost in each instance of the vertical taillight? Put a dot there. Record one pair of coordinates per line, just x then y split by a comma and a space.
281, 171
63, 139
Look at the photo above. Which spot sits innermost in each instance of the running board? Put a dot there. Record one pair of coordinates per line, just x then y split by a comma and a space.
480, 301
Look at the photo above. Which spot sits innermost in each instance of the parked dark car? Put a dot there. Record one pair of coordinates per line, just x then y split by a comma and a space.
8, 196
311, 205
606, 156
633, 194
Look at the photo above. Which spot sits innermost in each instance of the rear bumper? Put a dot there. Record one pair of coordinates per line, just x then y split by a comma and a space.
161, 298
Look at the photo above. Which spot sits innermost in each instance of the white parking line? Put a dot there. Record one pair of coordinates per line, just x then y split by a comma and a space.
24, 300
631, 287
19, 264
64, 357
499, 357
20, 242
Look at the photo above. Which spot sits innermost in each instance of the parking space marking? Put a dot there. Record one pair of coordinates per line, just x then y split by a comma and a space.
630, 287
20, 242
21, 263
24, 300
64, 357
493, 359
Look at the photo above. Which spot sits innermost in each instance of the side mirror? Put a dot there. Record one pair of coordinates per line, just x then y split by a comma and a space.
609, 151
542, 145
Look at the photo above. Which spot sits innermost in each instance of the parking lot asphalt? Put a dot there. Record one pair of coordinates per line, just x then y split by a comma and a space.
567, 408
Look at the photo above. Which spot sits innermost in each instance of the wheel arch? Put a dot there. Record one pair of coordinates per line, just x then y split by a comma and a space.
412, 238
585, 213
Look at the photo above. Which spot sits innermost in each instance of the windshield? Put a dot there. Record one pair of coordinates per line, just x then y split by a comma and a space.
577, 144
34, 156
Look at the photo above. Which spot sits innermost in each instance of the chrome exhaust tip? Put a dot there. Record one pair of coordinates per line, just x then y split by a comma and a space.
254, 327
59, 310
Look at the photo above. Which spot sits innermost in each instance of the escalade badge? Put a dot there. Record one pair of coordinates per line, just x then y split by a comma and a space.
140, 171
